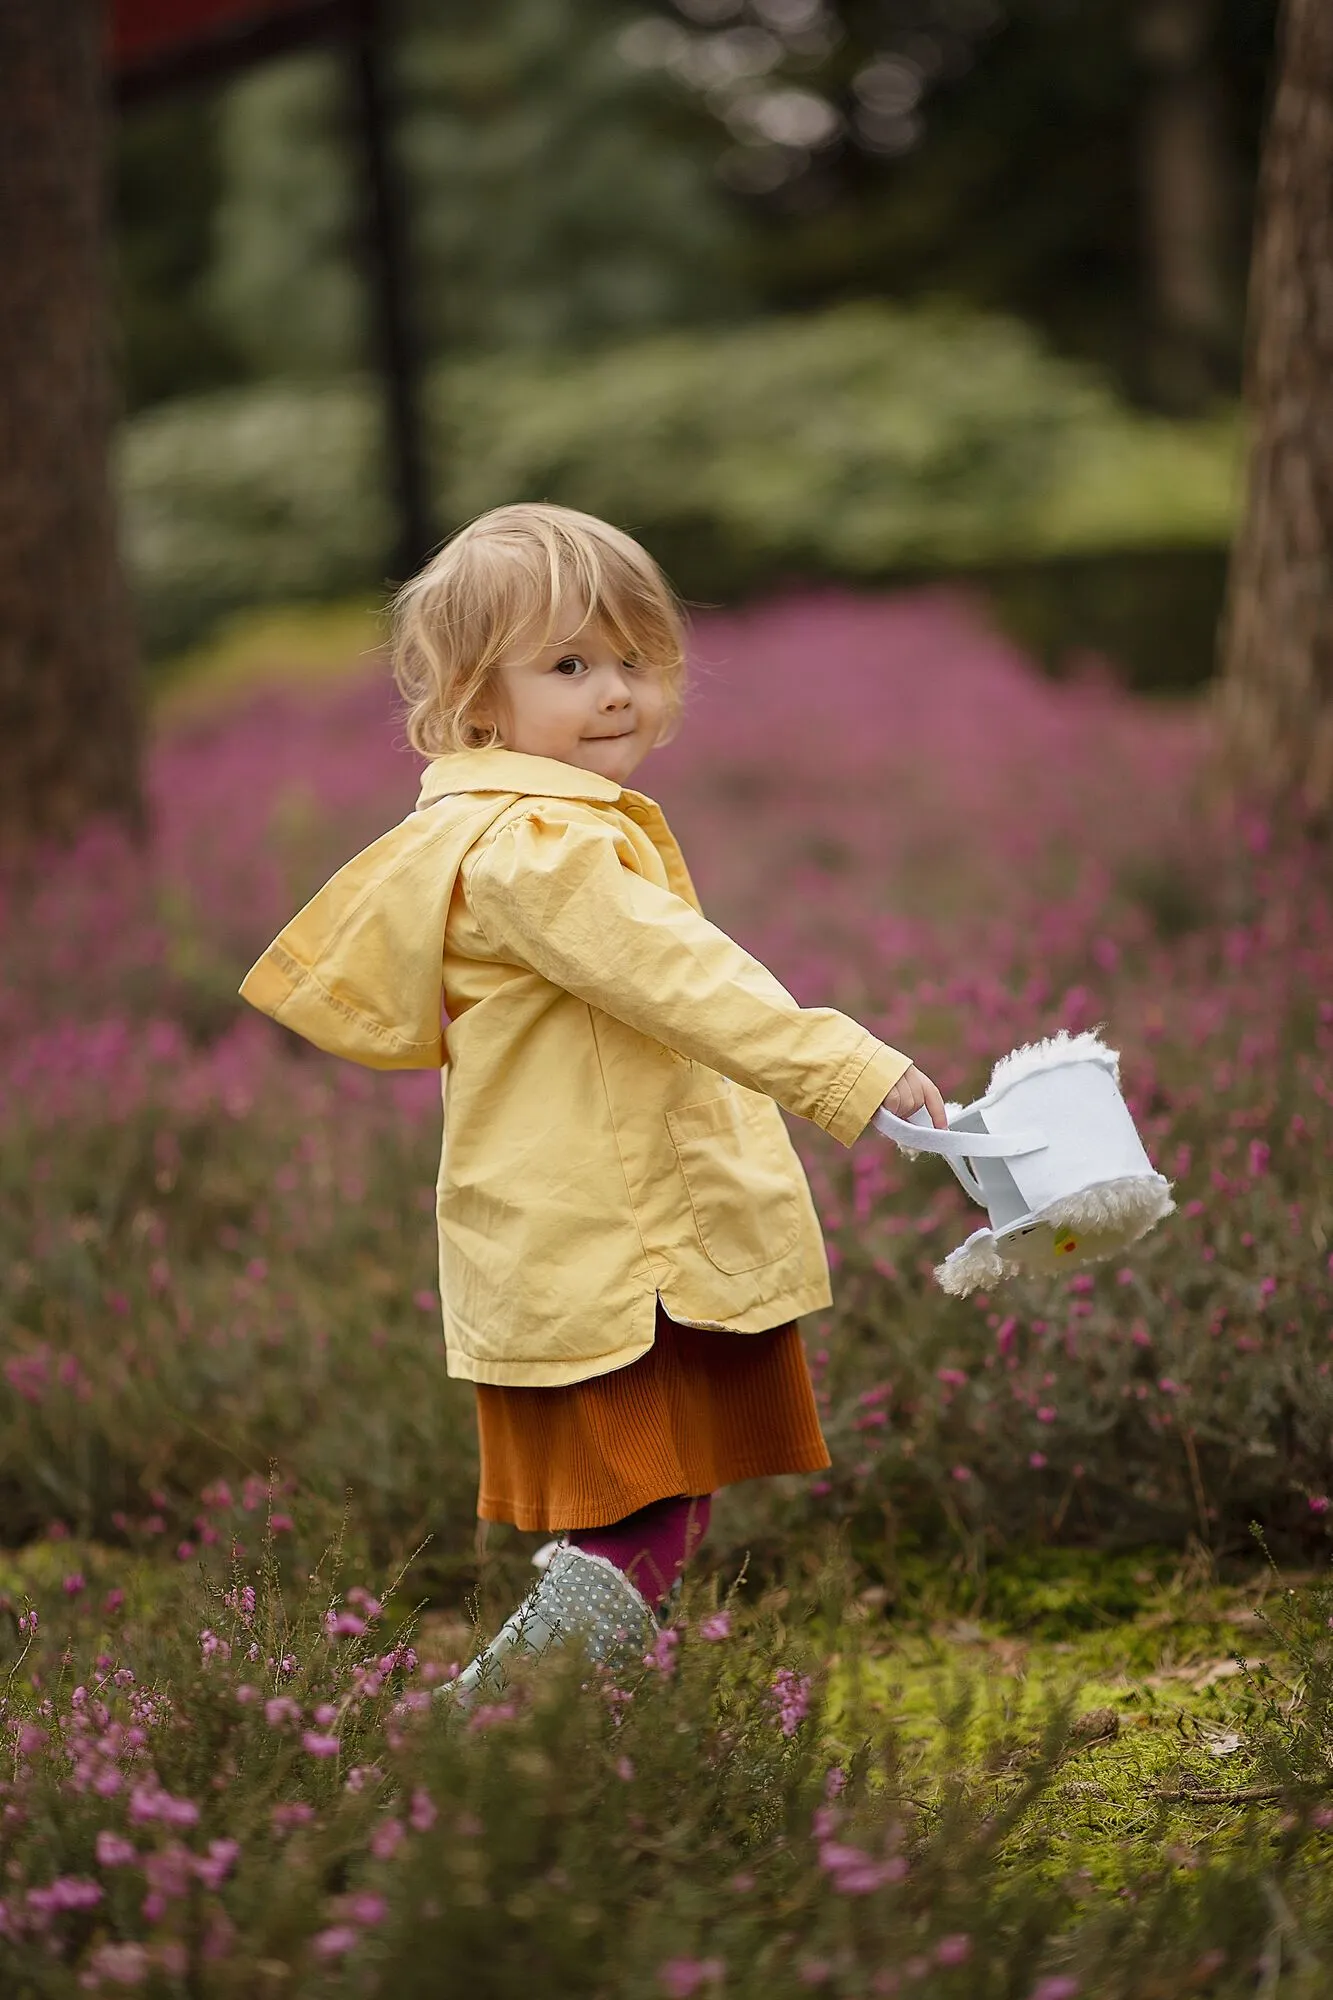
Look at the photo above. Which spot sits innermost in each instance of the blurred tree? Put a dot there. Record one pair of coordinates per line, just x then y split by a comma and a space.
69, 710
284, 280
558, 194
1185, 196
1086, 163
1276, 697
581, 170
167, 183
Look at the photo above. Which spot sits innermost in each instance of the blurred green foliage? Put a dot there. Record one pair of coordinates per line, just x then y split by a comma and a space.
857, 443
577, 172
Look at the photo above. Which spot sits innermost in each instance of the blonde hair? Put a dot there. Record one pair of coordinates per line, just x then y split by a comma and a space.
500, 582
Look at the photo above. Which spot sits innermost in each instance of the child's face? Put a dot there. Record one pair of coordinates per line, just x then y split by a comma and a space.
577, 701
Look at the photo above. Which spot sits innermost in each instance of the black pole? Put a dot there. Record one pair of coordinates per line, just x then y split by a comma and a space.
384, 237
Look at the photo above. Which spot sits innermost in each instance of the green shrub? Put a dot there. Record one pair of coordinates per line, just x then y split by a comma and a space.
239, 1784
855, 443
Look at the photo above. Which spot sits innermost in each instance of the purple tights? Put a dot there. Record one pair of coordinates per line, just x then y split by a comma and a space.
652, 1546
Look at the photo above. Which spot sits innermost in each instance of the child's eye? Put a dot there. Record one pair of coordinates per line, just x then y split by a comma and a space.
571, 665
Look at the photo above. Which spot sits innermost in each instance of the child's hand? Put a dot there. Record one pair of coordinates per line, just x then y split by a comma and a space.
911, 1092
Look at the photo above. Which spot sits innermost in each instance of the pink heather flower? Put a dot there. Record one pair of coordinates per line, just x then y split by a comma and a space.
297, 1813
814, 1972
715, 1627
114, 1851
362, 1775
343, 1625
742, 1882
1047, 1414
791, 1697
662, 1653
488, 1713
281, 1524
1259, 1157
281, 1708
335, 1942
955, 1378
625, 1770
1005, 1333
682, 1977
369, 1606
421, 1814
184, 1550
386, 1839
961, 1473
1319, 1503
835, 1782
954, 1949
167, 1872
364, 1907
853, 1872
1036, 1459
148, 1801
120, 1964
113, 1601
73, 1585
1058, 1987
317, 1745
213, 1869
67, 1892
326, 1713
1169, 1386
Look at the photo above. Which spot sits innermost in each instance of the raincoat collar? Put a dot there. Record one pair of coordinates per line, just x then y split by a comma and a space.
501, 770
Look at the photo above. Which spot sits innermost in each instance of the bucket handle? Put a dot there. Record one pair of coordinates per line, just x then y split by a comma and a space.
958, 1148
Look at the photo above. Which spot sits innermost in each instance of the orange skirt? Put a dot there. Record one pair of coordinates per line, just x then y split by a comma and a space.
699, 1410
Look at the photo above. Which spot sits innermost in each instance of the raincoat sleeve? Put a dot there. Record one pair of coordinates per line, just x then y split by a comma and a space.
560, 893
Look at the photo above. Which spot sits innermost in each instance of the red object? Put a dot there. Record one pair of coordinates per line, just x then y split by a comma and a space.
146, 30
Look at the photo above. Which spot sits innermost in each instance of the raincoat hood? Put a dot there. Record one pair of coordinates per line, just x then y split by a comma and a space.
359, 970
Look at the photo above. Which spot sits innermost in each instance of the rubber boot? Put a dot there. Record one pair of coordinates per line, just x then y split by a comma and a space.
578, 1598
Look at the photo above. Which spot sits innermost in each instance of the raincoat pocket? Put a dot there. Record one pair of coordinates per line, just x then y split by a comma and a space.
747, 1205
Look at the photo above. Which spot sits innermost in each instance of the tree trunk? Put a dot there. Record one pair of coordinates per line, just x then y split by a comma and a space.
1186, 199
70, 708
1276, 695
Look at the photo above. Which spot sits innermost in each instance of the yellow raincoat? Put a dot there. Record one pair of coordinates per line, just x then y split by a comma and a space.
609, 1068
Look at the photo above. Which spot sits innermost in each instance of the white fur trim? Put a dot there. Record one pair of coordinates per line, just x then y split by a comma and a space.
973, 1264
1051, 1054
1125, 1209
1102, 1220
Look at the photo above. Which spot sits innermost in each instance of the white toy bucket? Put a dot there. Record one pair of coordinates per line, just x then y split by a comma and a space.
1054, 1156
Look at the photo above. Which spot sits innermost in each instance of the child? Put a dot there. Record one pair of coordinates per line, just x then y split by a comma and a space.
626, 1237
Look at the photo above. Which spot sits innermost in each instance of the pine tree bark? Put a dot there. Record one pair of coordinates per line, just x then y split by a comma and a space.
1276, 692
70, 706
